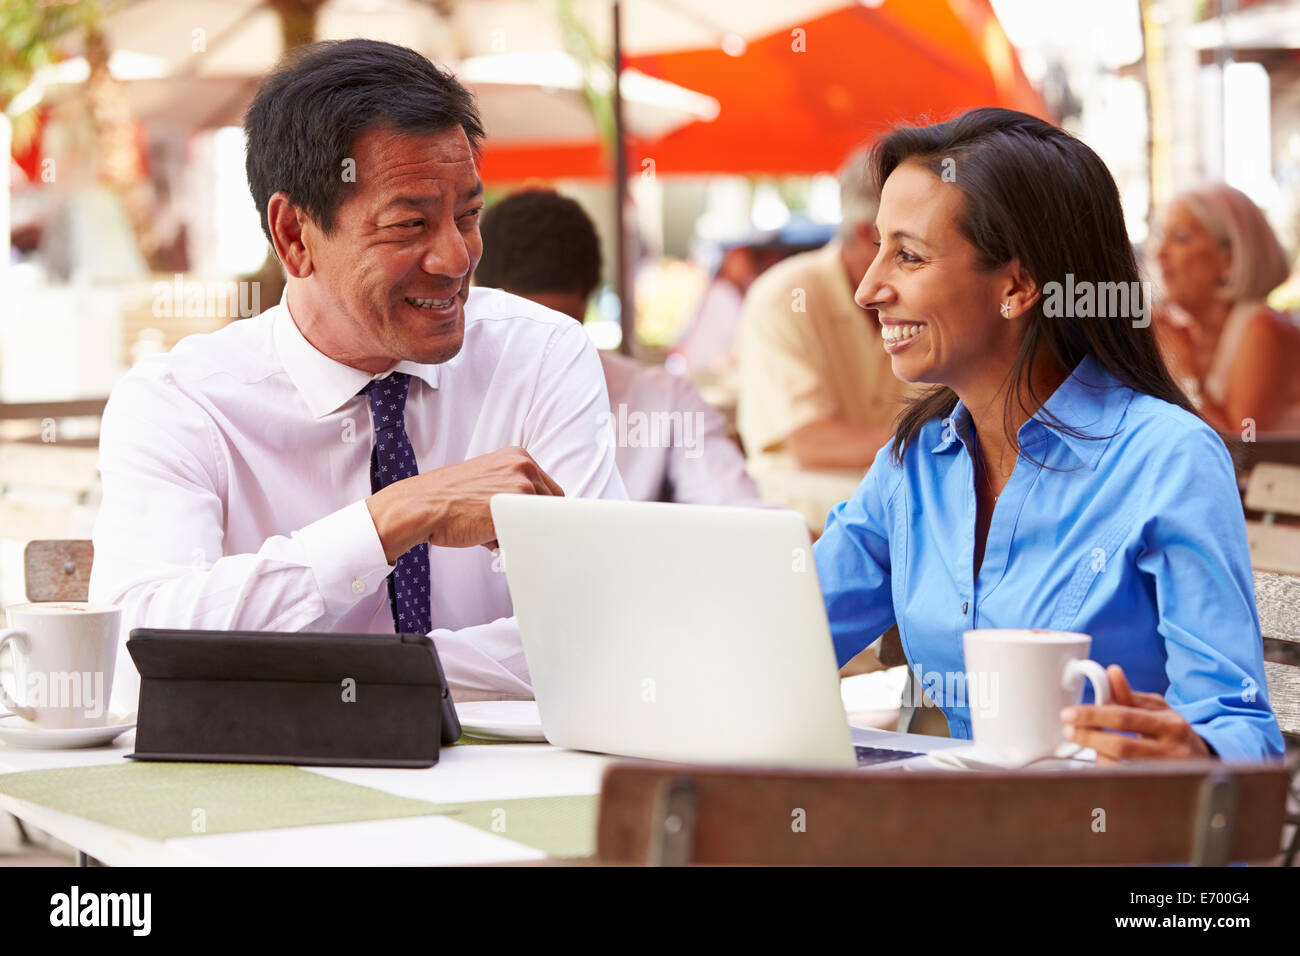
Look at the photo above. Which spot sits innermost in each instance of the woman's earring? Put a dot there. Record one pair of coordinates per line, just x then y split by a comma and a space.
1006, 309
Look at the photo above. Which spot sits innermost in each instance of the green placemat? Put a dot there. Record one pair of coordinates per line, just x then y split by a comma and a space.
558, 826
167, 800
164, 800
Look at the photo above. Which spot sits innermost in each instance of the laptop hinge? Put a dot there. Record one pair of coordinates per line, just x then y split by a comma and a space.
1215, 814
672, 841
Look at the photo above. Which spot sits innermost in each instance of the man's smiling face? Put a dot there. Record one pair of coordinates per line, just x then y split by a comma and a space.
390, 281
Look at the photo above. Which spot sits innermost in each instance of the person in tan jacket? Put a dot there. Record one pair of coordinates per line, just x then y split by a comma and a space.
817, 393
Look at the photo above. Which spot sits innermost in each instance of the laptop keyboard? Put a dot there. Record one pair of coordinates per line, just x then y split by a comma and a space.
873, 755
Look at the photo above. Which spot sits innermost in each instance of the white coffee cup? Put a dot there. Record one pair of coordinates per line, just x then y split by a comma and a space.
1018, 682
60, 658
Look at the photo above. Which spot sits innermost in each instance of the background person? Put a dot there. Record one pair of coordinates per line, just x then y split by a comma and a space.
1238, 358
816, 391
708, 346
328, 465
1056, 478
543, 246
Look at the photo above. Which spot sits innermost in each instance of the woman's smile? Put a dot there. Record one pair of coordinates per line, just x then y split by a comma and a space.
897, 336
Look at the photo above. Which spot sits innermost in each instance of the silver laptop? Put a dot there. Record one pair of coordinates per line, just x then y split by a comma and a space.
676, 632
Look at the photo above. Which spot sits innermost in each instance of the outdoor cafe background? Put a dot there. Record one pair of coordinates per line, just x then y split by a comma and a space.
129, 223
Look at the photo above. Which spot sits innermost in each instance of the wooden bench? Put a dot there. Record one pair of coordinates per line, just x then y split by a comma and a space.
1202, 812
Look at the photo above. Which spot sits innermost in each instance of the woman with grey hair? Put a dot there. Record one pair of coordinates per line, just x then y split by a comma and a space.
1234, 355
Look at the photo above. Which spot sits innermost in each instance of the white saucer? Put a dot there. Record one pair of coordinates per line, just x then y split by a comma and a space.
16, 732
501, 720
1068, 757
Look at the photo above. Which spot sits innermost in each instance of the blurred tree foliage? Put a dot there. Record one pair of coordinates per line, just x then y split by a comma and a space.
31, 32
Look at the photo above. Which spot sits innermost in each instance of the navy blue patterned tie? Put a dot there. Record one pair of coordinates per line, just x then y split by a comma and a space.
392, 460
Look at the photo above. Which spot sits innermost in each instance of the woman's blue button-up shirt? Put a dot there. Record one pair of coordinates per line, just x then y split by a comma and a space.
1137, 539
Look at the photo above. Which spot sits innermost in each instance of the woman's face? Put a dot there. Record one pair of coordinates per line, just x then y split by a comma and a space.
1192, 262
940, 317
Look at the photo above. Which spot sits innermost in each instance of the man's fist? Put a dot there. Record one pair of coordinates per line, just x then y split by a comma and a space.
448, 506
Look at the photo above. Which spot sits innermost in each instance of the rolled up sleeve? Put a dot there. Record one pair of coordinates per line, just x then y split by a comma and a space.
1195, 554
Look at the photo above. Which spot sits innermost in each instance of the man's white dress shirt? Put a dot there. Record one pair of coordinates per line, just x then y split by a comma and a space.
235, 471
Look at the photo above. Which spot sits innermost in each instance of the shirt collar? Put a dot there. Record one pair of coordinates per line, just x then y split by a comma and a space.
325, 384
1091, 400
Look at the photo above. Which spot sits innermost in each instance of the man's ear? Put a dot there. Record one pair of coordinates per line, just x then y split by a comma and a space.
287, 223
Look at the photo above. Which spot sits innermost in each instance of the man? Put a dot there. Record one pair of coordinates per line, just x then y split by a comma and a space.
671, 445
327, 466
817, 394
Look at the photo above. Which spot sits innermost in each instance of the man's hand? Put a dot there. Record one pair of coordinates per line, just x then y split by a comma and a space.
1161, 731
448, 506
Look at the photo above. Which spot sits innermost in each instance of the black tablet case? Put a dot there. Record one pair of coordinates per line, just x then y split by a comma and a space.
275, 697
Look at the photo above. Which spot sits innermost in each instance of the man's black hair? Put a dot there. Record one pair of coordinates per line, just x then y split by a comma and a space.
308, 113
538, 241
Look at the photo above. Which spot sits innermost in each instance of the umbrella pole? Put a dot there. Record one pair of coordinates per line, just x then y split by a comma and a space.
622, 279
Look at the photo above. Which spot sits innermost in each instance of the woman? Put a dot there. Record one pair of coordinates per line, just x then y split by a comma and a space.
1220, 259
1055, 477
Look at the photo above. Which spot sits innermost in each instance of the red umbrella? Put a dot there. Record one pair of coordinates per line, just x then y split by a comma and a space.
799, 99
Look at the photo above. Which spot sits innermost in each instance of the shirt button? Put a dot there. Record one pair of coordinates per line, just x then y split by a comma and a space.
358, 586
964, 606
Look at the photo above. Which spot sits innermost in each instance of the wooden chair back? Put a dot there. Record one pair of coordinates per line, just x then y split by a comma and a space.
1203, 812
1274, 491
58, 570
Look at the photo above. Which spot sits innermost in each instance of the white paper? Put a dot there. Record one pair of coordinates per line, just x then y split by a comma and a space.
467, 774
410, 841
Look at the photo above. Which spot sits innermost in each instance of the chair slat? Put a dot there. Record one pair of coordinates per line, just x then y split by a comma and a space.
1275, 488
1274, 547
1135, 814
58, 570
77, 408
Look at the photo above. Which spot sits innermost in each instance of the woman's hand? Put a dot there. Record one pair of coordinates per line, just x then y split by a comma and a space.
1161, 731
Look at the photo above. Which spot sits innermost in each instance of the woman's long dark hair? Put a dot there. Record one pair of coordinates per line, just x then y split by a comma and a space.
1034, 193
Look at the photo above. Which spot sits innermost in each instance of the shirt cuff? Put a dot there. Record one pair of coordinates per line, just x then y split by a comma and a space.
346, 556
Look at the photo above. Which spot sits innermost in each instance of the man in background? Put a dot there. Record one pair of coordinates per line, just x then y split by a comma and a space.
817, 393
670, 445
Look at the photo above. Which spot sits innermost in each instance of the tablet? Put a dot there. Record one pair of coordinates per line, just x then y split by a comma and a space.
345, 700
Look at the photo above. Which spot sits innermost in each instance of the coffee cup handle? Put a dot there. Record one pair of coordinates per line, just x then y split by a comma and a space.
19, 638
1096, 675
